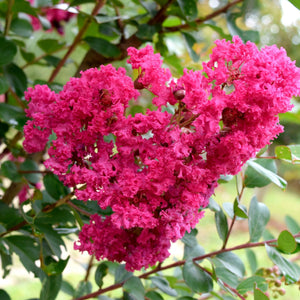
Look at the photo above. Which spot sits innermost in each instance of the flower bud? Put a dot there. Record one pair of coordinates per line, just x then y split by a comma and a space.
138, 85
179, 94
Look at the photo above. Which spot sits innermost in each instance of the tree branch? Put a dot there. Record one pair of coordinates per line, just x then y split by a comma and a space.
180, 263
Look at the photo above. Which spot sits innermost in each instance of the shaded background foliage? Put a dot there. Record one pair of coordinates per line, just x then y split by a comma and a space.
38, 231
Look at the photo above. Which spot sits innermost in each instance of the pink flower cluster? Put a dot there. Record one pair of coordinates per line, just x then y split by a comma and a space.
156, 171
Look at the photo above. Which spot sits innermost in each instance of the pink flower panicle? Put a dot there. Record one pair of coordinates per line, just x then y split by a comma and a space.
157, 171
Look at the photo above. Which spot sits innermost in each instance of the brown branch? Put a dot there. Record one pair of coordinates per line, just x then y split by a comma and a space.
208, 17
160, 17
77, 40
20, 102
88, 270
180, 263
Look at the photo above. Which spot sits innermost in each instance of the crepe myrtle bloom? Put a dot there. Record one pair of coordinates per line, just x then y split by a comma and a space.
156, 171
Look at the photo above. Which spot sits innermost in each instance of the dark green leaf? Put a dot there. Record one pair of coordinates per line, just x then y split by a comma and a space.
152, 295
247, 284
54, 186
162, 284
30, 165
52, 237
17, 78
286, 242
259, 295
28, 56
191, 247
50, 45
259, 216
190, 41
189, 9
296, 3
8, 50
67, 288
186, 298
50, 287
83, 288
9, 216
252, 260
56, 268
221, 223
292, 225
21, 27
12, 115
3, 85
196, 278
100, 273
135, 288
121, 274
145, 32
27, 250
4, 295
23, 6
52, 60
103, 47
231, 262
6, 261
78, 2
10, 170
290, 270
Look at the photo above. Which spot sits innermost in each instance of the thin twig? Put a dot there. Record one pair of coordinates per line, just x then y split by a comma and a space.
20, 102
88, 270
206, 18
180, 263
8, 16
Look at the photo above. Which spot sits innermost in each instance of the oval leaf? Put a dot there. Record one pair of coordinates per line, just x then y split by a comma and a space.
103, 47
286, 242
8, 50
197, 279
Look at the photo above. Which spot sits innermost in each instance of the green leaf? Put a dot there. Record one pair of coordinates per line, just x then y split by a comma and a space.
56, 268
252, 176
146, 32
259, 295
16, 78
135, 288
30, 165
231, 262
290, 270
247, 284
296, 3
83, 288
224, 275
103, 47
295, 150
67, 288
28, 56
6, 261
252, 260
54, 186
10, 170
286, 242
190, 41
191, 247
121, 274
50, 287
189, 9
8, 50
27, 250
221, 223
12, 115
197, 279
9, 216
4, 295
259, 216
4, 86
21, 27
163, 284
23, 6
283, 152
50, 45
239, 210
100, 273
52, 237
292, 225
152, 295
